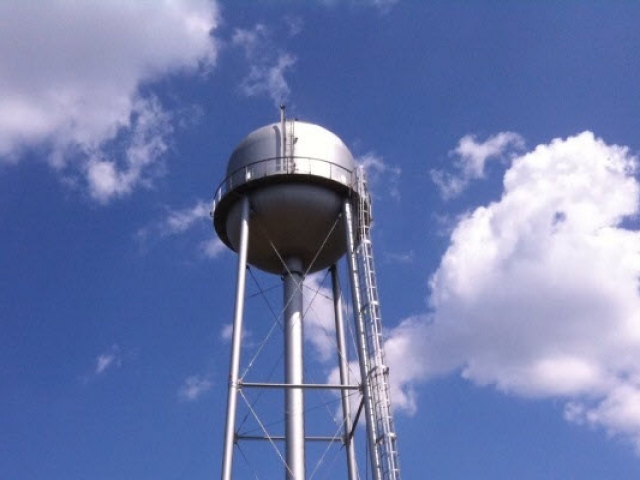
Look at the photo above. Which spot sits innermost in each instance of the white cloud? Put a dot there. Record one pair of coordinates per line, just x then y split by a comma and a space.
226, 334
400, 257
294, 24
470, 158
403, 355
72, 78
267, 63
384, 6
108, 359
320, 332
619, 412
319, 318
108, 178
269, 79
380, 174
213, 248
537, 293
179, 221
405, 367
194, 387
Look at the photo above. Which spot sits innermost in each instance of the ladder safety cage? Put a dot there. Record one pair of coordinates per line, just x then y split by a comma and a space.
378, 375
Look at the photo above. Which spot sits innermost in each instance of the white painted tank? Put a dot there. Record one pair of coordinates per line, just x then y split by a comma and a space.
296, 175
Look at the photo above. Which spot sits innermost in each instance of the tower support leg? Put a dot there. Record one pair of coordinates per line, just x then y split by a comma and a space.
293, 359
343, 362
361, 342
234, 367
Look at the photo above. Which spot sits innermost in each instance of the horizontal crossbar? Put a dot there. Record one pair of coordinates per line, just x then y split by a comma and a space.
311, 386
279, 438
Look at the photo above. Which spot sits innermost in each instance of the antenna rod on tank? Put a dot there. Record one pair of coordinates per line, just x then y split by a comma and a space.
283, 135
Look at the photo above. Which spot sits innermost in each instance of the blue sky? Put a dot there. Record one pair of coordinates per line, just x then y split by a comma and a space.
501, 139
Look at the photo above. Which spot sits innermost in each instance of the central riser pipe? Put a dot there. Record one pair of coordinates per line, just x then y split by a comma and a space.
293, 358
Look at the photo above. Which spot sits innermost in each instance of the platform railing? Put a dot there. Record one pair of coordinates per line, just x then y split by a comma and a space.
284, 166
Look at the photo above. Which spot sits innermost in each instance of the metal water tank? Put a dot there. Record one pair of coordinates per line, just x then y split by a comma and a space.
296, 176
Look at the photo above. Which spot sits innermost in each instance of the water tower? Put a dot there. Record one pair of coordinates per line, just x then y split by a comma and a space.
294, 203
